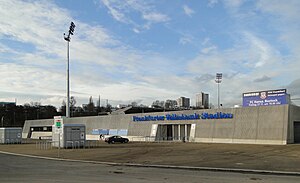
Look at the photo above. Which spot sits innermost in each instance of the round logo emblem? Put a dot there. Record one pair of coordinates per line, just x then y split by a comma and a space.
263, 95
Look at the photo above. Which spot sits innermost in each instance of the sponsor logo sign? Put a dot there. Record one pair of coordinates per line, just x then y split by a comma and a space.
58, 121
265, 98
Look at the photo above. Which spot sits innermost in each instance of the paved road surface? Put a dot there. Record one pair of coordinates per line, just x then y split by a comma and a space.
25, 169
239, 156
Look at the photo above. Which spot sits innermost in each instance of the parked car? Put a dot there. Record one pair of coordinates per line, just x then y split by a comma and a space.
116, 139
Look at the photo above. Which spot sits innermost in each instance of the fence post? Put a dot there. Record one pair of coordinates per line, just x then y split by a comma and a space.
58, 144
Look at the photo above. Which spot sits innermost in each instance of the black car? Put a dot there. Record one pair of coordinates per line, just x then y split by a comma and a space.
115, 139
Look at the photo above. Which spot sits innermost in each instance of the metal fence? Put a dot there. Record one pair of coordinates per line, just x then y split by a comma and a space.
10, 141
161, 139
48, 144
43, 145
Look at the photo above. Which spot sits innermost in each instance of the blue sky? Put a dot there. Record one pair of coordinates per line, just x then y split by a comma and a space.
145, 50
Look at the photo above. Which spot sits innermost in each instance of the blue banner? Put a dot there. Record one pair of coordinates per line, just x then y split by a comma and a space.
265, 98
110, 132
104, 131
123, 132
95, 132
113, 132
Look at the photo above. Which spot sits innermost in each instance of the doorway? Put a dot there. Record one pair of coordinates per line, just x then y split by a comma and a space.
297, 132
173, 132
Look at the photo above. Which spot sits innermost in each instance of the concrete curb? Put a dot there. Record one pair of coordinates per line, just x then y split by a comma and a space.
252, 171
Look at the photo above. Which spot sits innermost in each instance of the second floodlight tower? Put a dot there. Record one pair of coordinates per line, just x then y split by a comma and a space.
68, 39
218, 81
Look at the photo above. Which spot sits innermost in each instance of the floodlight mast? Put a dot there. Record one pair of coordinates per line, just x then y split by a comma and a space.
218, 81
68, 39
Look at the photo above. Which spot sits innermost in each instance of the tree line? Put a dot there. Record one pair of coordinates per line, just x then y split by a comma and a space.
12, 115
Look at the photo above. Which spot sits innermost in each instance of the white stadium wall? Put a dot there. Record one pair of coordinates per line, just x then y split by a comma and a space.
250, 125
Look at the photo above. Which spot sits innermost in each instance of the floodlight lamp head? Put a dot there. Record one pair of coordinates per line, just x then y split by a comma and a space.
67, 38
71, 32
219, 76
218, 80
72, 26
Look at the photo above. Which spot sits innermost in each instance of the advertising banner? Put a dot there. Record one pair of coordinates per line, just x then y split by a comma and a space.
265, 98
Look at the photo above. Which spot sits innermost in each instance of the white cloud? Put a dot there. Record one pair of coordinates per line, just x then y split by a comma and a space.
233, 3
288, 10
95, 35
41, 70
5, 49
286, 22
102, 64
208, 49
208, 46
186, 39
99, 63
251, 52
121, 11
293, 88
30, 80
265, 53
25, 22
282, 50
212, 3
262, 79
115, 12
284, 18
136, 30
53, 100
42, 29
206, 41
188, 11
252, 64
156, 17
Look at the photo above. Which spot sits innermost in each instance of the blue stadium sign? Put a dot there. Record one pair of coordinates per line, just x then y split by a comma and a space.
265, 98
172, 117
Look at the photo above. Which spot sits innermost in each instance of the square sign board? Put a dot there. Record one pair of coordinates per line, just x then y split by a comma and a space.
58, 121
265, 98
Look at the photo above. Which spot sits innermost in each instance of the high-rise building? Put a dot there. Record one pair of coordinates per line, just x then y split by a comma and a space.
183, 102
202, 100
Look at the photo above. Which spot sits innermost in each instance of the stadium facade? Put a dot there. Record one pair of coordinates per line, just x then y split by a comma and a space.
273, 124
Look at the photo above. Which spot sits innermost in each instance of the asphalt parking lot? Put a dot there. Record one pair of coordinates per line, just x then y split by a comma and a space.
239, 156
35, 170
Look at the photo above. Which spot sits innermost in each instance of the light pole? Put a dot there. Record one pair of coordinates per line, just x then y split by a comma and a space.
218, 81
68, 39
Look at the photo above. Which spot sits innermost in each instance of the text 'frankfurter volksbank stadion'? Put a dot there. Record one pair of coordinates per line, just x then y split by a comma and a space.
171, 117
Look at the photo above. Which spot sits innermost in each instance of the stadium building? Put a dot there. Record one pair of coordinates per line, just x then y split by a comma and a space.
265, 118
